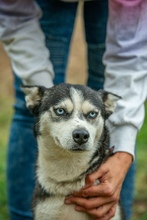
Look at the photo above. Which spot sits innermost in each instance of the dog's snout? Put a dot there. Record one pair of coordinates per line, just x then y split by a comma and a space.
80, 136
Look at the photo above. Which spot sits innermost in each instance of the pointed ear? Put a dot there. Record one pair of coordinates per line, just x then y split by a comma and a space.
33, 96
110, 101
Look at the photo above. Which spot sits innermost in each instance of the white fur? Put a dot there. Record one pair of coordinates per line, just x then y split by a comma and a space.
32, 96
117, 214
55, 209
111, 101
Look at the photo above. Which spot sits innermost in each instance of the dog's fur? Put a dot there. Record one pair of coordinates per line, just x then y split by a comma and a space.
73, 141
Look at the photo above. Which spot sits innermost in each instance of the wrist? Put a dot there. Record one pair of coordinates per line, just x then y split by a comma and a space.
125, 159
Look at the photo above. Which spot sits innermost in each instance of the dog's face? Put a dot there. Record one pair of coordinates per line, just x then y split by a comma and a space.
73, 116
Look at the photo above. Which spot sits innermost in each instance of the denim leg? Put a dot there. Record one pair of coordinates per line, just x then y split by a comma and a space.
57, 24
127, 192
21, 159
95, 20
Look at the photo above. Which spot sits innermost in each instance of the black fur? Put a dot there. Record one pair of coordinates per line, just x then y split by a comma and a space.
39, 194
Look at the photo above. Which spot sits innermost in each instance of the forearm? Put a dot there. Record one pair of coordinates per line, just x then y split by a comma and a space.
24, 42
125, 56
29, 56
125, 161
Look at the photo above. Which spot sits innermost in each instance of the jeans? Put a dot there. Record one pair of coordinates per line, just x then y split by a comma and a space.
57, 23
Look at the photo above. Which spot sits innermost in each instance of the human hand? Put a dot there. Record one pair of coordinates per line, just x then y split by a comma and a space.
101, 200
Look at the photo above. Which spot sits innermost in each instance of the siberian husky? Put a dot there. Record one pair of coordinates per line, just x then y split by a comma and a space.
73, 141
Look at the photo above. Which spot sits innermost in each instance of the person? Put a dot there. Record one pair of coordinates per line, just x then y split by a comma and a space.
126, 75
19, 38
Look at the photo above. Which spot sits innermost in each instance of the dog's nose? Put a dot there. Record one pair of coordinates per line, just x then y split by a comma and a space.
80, 136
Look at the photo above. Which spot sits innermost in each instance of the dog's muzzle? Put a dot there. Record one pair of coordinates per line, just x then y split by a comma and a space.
80, 136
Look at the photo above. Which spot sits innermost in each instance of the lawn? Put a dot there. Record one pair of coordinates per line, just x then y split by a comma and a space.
5, 117
140, 201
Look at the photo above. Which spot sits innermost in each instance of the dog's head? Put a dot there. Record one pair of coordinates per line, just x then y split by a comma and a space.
71, 117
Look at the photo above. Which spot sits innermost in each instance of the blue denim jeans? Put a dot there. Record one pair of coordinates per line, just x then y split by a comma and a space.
57, 23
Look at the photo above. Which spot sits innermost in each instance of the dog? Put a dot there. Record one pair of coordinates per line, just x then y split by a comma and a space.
73, 141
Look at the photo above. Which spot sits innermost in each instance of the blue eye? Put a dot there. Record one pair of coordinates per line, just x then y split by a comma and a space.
92, 114
59, 111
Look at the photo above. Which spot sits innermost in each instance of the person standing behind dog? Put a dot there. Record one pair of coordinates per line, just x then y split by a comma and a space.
126, 75
19, 143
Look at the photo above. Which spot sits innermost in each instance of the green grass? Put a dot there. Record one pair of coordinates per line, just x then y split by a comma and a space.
140, 202
5, 118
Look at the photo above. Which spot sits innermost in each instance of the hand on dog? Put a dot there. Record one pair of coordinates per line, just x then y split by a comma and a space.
101, 200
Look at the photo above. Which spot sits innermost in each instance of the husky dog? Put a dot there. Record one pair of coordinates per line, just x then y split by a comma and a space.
73, 141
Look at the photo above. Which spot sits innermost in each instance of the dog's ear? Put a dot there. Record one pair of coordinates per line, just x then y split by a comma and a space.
33, 96
110, 101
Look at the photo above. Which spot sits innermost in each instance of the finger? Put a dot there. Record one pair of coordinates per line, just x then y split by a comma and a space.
90, 179
101, 211
80, 193
102, 189
107, 216
93, 191
90, 203
110, 214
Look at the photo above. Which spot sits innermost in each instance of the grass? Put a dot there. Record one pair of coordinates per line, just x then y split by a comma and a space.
5, 118
140, 201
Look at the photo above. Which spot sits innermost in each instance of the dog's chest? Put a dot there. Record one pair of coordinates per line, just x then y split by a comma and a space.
55, 209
